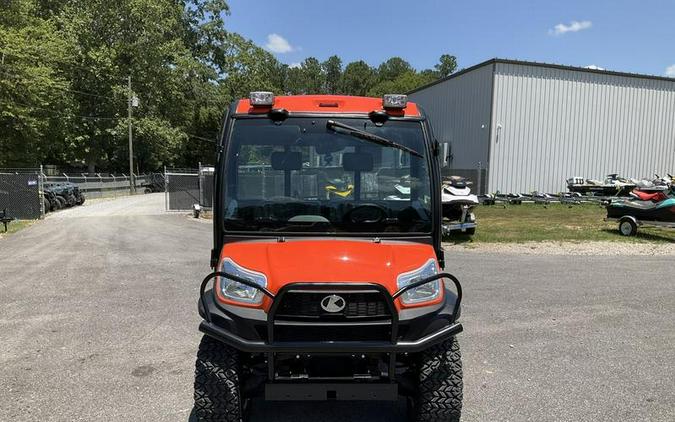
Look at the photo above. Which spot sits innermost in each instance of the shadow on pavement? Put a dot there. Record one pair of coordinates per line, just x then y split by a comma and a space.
332, 411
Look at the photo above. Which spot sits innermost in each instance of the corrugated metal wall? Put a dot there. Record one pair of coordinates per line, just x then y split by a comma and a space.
459, 110
550, 124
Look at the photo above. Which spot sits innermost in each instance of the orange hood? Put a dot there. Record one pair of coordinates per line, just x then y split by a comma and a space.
329, 260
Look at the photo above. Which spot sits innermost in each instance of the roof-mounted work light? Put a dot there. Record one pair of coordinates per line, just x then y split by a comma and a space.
394, 101
261, 98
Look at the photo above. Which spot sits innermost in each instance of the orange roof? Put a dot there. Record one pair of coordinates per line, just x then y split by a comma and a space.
330, 104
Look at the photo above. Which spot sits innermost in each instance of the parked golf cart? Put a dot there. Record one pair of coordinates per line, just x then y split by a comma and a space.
324, 296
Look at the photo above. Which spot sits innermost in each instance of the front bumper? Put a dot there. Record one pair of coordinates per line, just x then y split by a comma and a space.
253, 346
411, 330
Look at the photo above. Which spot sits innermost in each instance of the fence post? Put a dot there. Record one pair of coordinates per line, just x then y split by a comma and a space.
200, 184
41, 193
166, 191
100, 185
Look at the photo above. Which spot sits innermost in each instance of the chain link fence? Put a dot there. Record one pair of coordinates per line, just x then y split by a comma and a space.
101, 185
29, 193
21, 193
185, 187
206, 184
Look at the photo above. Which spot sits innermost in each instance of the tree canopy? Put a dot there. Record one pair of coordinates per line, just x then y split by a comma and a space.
65, 64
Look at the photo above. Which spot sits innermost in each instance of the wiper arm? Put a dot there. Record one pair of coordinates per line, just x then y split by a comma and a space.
367, 136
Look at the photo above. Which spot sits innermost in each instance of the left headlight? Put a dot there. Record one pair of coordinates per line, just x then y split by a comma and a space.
237, 291
425, 292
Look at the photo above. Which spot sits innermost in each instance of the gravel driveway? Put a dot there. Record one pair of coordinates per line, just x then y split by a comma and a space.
98, 322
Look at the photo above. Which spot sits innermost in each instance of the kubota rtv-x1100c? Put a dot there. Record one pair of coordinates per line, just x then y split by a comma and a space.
328, 281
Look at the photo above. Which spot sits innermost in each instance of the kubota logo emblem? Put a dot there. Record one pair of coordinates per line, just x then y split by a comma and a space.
333, 303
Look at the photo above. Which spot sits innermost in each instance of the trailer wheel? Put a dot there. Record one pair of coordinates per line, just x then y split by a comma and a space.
217, 393
439, 394
627, 227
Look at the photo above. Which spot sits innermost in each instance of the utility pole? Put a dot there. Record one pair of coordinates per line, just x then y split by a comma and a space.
132, 181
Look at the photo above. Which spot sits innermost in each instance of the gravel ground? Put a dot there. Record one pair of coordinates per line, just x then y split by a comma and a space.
599, 248
98, 322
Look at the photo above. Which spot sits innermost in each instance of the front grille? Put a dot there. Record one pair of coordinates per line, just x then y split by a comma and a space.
299, 305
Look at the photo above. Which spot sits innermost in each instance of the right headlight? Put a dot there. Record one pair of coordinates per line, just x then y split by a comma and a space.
236, 291
425, 292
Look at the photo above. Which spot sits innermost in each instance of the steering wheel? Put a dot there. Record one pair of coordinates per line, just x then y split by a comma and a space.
366, 214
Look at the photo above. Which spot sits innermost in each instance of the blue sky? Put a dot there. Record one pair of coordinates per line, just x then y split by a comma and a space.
621, 35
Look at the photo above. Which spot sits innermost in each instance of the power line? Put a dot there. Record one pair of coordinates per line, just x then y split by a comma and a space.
201, 138
56, 113
49, 62
17, 76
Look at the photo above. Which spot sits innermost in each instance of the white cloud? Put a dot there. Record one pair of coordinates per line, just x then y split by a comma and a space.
278, 44
295, 64
594, 67
670, 71
574, 26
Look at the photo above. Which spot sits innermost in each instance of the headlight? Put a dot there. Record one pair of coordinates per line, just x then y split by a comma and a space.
425, 292
237, 291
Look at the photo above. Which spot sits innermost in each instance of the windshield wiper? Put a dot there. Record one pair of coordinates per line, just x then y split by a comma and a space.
371, 137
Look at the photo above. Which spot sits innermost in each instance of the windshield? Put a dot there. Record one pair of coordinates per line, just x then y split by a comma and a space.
302, 176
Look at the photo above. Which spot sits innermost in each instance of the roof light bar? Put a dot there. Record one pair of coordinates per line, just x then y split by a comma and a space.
261, 98
394, 101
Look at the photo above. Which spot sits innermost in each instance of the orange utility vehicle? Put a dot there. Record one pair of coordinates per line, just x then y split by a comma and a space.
328, 281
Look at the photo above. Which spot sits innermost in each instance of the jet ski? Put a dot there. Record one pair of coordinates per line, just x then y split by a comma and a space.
663, 210
613, 185
631, 213
458, 202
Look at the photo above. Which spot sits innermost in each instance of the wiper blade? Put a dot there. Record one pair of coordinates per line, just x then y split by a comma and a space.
371, 137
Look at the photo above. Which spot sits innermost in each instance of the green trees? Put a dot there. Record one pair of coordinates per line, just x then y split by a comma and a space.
64, 66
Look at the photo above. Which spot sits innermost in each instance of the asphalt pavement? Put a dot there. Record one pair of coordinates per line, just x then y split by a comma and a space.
98, 322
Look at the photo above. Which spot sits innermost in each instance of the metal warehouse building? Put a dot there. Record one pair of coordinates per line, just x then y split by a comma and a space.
529, 126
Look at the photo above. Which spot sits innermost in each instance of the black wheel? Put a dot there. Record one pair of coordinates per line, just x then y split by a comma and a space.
471, 231
627, 227
217, 393
80, 200
61, 200
47, 205
439, 395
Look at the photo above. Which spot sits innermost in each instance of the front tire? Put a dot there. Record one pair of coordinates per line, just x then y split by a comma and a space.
439, 394
217, 392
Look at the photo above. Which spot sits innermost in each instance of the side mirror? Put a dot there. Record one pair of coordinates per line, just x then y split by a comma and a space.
446, 156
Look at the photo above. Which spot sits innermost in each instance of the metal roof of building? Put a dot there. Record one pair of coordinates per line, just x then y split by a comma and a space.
546, 65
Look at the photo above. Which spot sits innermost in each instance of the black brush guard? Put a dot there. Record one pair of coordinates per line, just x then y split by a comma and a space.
392, 346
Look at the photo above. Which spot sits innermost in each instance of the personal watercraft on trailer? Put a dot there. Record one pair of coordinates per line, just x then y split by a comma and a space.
655, 190
458, 203
613, 185
634, 213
